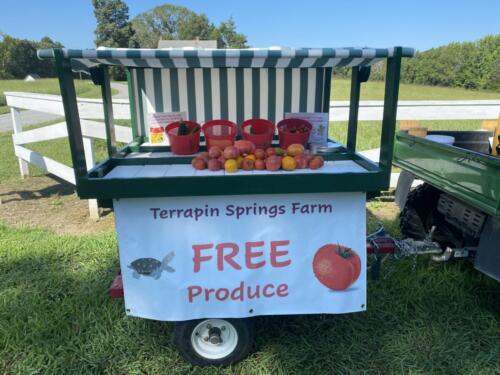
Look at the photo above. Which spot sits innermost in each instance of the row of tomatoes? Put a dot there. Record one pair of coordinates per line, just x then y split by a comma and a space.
244, 155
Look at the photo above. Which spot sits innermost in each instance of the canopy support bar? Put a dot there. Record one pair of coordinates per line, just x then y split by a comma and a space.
359, 75
70, 105
107, 103
390, 110
353, 110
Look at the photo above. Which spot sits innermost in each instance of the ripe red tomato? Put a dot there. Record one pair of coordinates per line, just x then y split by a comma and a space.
337, 267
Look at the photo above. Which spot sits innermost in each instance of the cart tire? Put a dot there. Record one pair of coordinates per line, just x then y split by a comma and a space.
197, 343
420, 213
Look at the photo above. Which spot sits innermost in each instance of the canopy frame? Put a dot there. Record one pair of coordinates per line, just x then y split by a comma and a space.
91, 185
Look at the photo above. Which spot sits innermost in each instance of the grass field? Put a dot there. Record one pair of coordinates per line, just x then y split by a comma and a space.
374, 90
84, 89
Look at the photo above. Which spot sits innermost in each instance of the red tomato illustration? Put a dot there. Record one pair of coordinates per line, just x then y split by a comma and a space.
337, 267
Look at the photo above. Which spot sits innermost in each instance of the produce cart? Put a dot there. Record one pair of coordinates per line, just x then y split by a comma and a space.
211, 249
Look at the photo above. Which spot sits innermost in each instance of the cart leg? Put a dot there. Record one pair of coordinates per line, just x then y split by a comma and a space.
214, 342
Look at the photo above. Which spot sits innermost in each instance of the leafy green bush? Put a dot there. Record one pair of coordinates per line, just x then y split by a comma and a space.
18, 57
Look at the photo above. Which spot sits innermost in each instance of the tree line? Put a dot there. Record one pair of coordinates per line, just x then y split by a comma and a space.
470, 65
18, 57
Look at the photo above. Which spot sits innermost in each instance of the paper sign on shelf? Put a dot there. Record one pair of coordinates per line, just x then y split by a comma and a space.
239, 256
161, 120
319, 121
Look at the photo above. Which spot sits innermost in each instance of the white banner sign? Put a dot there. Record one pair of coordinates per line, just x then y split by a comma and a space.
238, 256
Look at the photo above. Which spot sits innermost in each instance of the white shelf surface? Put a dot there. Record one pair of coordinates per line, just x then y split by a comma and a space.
186, 170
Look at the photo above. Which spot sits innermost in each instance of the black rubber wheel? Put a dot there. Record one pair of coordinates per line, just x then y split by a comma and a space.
420, 212
196, 342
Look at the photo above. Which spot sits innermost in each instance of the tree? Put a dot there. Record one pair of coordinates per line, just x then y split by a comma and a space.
471, 65
46, 68
113, 28
172, 22
18, 57
227, 37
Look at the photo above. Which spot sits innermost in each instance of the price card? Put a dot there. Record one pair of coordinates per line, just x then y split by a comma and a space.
158, 121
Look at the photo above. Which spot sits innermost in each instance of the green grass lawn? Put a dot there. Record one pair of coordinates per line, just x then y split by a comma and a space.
84, 88
374, 90
369, 131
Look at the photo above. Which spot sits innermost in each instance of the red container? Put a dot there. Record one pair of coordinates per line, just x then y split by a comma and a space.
184, 144
221, 133
288, 137
258, 131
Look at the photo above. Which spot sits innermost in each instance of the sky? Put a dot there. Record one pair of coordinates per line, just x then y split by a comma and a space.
421, 24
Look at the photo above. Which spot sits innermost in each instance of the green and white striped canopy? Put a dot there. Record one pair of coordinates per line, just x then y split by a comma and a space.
236, 94
233, 84
227, 58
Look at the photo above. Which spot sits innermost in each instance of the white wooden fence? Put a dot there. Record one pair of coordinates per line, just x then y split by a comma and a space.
92, 109
91, 129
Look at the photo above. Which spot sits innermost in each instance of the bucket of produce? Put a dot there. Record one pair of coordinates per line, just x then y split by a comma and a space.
184, 137
294, 130
258, 131
220, 133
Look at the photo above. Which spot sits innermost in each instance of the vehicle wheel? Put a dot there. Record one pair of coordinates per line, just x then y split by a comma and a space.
214, 342
420, 212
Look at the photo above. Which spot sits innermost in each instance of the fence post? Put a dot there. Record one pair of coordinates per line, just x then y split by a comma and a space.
88, 148
17, 125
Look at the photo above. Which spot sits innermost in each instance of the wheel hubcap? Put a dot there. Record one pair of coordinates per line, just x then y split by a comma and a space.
214, 338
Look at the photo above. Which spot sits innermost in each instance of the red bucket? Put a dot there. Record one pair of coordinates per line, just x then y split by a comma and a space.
294, 130
258, 131
184, 144
221, 133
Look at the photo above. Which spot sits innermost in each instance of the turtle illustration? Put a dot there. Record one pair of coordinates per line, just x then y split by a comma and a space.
151, 267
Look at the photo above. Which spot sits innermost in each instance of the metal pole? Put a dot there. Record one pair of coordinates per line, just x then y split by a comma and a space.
107, 103
353, 109
67, 87
390, 110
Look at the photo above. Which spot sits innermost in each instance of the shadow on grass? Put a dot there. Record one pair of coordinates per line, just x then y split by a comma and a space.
61, 188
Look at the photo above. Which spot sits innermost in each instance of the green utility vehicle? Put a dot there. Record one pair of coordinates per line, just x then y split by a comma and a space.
459, 201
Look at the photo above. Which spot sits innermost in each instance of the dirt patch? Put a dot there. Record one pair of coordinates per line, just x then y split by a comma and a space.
384, 210
48, 202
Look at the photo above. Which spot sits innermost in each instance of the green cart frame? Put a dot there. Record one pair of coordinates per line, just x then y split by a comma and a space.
294, 65
228, 84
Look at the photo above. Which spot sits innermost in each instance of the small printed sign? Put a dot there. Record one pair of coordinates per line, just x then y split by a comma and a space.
158, 121
239, 256
319, 121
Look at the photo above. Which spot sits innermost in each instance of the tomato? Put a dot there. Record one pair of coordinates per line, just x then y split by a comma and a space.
337, 267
